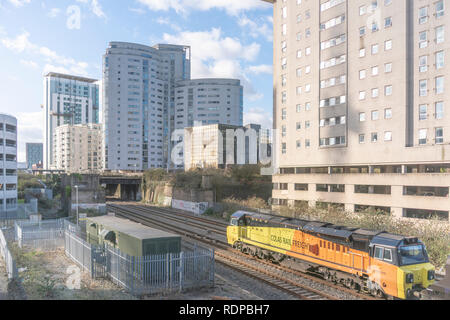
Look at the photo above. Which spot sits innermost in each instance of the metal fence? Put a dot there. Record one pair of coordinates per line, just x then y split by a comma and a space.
78, 250
11, 268
45, 235
161, 273
57, 224
43, 240
143, 275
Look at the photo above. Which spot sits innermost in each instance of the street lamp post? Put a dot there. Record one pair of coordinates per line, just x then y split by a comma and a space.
76, 187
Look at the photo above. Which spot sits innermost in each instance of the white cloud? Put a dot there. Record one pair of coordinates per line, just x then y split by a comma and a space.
259, 116
137, 10
54, 12
261, 69
30, 126
261, 29
217, 56
21, 44
212, 45
29, 63
19, 3
96, 7
232, 7
166, 21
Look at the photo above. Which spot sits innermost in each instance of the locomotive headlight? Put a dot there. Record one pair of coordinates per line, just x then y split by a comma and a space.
431, 275
410, 278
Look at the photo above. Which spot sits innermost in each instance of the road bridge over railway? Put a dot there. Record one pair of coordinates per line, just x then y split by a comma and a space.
122, 187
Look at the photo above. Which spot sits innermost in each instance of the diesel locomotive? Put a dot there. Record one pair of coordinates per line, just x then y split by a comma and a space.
379, 263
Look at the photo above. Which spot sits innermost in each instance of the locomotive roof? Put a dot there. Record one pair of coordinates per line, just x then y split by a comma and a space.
344, 234
330, 230
393, 240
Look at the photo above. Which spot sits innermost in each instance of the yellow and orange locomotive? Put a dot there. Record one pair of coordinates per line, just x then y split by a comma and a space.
383, 264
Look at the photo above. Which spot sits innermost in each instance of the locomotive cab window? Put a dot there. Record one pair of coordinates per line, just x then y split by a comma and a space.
234, 222
388, 255
379, 254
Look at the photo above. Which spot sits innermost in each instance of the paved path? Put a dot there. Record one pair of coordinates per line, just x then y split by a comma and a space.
3, 281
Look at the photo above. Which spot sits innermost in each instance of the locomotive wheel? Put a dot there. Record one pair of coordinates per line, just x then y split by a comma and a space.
348, 283
380, 294
261, 255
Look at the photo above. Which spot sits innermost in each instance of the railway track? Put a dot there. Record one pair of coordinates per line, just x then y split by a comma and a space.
209, 232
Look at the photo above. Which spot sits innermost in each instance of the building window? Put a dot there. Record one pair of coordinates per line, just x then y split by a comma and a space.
440, 31
375, 93
423, 136
362, 117
362, 138
388, 136
439, 135
301, 187
423, 64
388, 114
388, 67
362, 95
388, 90
388, 22
388, 45
423, 112
374, 137
375, 115
440, 59
439, 85
375, 49
375, 71
439, 8
423, 15
423, 39
439, 110
362, 52
423, 88
362, 74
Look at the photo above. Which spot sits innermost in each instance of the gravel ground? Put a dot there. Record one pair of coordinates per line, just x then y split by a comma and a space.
45, 276
37, 266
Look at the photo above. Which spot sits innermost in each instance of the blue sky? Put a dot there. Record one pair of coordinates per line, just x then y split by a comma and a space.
229, 38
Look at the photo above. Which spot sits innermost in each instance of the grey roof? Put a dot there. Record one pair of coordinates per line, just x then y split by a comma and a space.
131, 228
70, 77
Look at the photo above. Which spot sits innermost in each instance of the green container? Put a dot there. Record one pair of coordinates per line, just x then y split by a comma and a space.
130, 237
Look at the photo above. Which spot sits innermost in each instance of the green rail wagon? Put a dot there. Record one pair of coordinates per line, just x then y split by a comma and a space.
130, 237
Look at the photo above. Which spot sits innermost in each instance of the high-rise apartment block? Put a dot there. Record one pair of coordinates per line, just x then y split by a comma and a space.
360, 105
139, 103
209, 101
148, 94
68, 100
8, 164
34, 154
78, 148
203, 102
